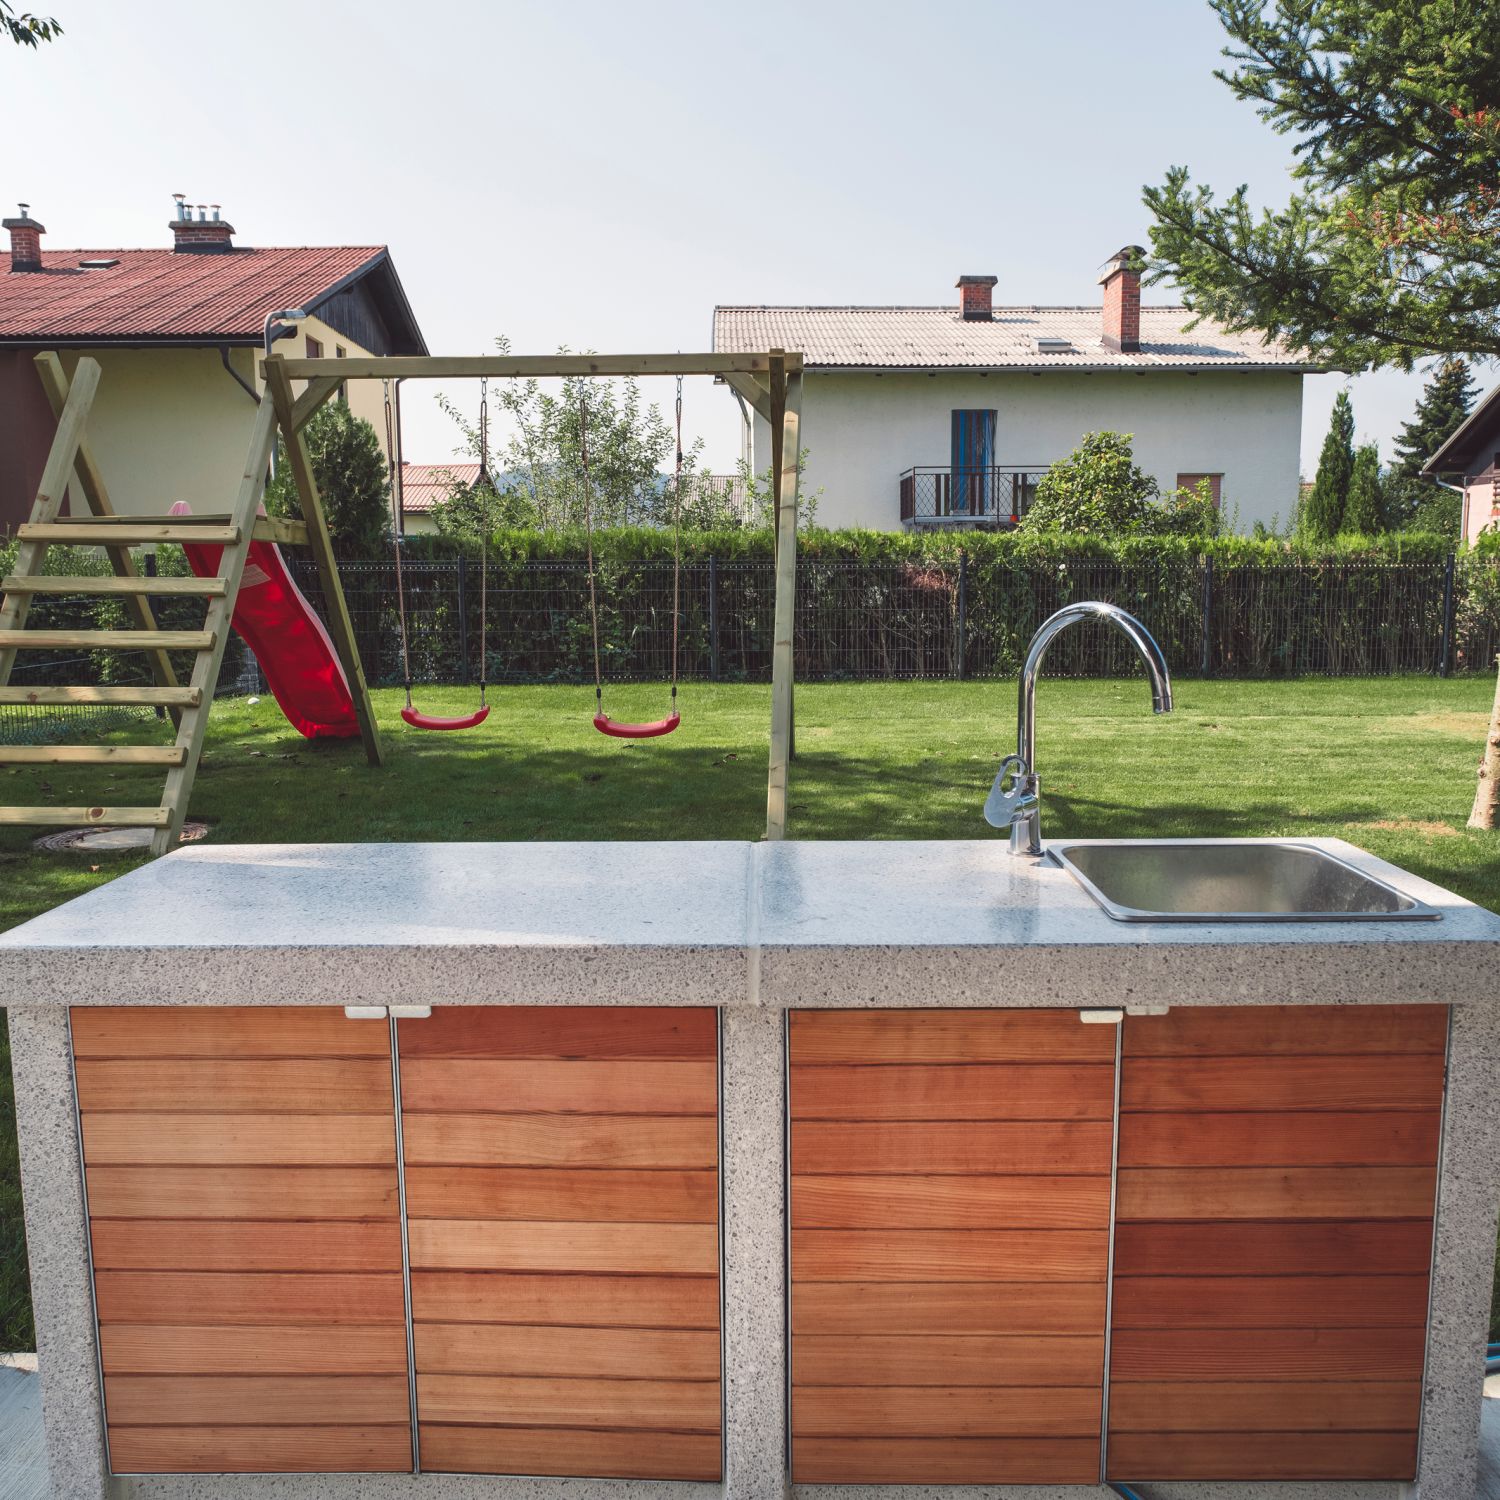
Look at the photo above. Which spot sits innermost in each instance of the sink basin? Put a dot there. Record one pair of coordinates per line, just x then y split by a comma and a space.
1224, 880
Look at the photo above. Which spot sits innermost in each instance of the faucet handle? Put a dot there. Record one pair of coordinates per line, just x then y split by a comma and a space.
1005, 805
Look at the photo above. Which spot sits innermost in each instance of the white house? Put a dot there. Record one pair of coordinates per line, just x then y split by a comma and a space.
946, 416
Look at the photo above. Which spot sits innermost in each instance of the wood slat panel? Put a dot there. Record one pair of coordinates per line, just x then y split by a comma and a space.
560, 1141
251, 1297
205, 1349
260, 1450
951, 1202
215, 1085
1234, 1084
243, 1192
240, 1140
1393, 1247
227, 1031
542, 1085
1270, 1302
601, 1196
1277, 1192
1279, 1140
1034, 1307
615, 1455
636, 1031
580, 1301
671, 1405
829, 1460
269, 1400
496, 1245
987, 1091
1272, 1030
1334, 1354
1251, 1456
958, 1359
958, 1148
943, 1411
946, 1036
1266, 1406
949, 1255
244, 1245
498, 1349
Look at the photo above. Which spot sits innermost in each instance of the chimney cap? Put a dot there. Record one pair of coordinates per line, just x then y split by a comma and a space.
24, 222
1126, 258
977, 281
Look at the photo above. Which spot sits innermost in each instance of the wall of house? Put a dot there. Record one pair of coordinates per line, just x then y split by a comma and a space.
1481, 502
863, 430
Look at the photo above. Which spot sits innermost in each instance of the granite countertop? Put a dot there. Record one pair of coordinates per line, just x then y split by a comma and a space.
836, 923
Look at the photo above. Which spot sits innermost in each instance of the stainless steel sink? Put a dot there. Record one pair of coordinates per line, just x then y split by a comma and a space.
1214, 880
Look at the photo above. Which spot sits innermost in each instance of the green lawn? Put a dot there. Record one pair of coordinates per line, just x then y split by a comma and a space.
1386, 763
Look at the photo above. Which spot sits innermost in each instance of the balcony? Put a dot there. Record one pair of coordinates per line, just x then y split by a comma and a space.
994, 497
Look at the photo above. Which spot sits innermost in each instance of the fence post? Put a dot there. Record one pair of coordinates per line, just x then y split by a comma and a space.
963, 612
1448, 605
463, 618
713, 618
1208, 615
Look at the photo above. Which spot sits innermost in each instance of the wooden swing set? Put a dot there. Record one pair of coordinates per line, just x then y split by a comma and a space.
770, 382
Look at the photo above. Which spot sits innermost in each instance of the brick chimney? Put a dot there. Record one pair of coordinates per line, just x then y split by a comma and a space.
976, 294
1122, 300
203, 235
25, 240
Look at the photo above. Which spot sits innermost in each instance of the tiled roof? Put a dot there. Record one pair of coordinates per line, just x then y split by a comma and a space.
935, 338
423, 485
171, 296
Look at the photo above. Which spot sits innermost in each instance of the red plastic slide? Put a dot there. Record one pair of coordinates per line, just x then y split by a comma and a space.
278, 624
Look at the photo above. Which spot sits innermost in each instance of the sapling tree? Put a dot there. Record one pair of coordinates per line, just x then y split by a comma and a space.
1322, 513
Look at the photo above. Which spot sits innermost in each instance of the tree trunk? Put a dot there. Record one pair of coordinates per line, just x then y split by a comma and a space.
1486, 813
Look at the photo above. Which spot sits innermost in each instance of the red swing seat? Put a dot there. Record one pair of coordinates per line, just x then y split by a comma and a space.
657, 727
418, 720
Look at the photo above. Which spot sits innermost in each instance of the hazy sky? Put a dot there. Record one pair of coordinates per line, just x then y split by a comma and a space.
601, 174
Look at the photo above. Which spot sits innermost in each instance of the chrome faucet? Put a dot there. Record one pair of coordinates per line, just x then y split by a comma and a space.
1018, 805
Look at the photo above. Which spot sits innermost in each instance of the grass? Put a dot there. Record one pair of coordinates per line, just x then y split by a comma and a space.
1386, 763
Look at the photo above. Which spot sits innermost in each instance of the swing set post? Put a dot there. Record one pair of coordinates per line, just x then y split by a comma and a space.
785, 419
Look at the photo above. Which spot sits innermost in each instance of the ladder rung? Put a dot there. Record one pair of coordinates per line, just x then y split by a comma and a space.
101, 640
274, 529
212, 588
101, 817
92, 755
187, 518
156, 697
136, 533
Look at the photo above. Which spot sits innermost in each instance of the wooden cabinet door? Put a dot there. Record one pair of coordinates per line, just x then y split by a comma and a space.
950, 1194
246, 1240
1278, 1171
563, 1222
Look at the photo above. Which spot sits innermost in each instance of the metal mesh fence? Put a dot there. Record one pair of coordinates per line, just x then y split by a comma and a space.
854, 621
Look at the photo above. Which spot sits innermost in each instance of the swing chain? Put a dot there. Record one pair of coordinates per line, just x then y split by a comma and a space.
484, 536
677, 547
588, 532
396, 507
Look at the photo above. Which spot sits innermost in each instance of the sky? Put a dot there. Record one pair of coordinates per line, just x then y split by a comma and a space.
600, 175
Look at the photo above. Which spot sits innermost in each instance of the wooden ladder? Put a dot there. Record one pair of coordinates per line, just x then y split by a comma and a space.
189, 703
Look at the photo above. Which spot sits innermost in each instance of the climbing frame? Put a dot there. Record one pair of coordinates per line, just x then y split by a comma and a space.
71, 461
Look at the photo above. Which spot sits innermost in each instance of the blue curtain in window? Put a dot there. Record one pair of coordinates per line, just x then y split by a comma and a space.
971, 459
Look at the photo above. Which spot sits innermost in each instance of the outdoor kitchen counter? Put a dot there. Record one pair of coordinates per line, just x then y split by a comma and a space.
692, 1040
791, 924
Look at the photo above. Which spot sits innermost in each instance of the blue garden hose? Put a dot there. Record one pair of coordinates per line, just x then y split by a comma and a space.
1127, 1492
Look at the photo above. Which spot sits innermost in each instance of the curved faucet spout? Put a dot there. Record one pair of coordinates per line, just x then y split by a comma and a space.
1019, 806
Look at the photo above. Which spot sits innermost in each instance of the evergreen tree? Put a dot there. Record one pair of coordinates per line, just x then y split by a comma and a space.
1323, 510
1365, 511
1417, 504
353, 483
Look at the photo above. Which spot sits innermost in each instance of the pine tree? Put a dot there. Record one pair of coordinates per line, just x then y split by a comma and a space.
1365, 511
1445, 401
1323, 510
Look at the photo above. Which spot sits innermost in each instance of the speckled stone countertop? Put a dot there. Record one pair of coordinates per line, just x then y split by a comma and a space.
869, 923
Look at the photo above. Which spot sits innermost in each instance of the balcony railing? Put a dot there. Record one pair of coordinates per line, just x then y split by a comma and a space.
997, 496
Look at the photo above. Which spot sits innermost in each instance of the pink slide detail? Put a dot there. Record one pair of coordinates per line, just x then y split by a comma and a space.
278, 624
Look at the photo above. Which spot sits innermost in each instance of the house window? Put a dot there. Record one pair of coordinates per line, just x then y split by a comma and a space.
971, 461
314, 348
1192, 481
339, 352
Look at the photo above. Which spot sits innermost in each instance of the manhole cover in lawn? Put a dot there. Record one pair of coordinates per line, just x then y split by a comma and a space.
108, 840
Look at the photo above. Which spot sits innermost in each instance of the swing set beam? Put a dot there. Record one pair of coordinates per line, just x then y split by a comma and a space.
771, 381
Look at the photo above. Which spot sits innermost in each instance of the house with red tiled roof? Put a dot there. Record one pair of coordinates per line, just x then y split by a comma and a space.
946, 417
424, 485
179, 331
